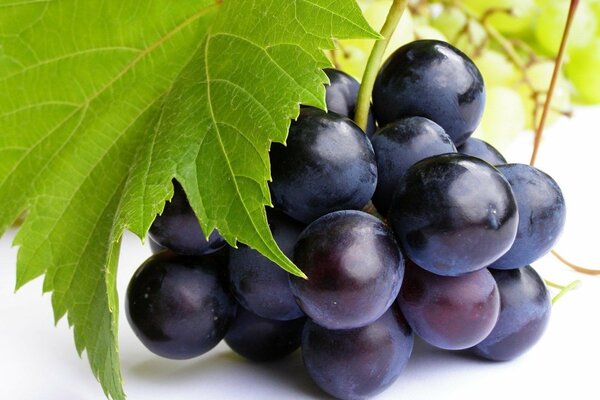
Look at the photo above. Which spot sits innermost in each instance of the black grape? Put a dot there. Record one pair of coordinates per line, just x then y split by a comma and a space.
480, 149
454, 214
542, 214
328, 165
398, 146
525, 306
260, 339
431, 79
155, 247
341, 95
354, 269
178, 306
178, 229
259, 284
450, 312
361, 362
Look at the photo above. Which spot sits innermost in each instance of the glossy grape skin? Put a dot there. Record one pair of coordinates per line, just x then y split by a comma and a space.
542, 214
354, 269
524, 314
178, 229
481, 149
454, 214
398, 146
357, 363
431, 79
155, 247
328, 165
449, 312
260, 339
259, 284
178, 306
341, 95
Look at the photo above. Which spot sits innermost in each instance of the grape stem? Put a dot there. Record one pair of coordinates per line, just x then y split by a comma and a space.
564, 289
557, 65
366, 87
540, 131
370, 209
576, 267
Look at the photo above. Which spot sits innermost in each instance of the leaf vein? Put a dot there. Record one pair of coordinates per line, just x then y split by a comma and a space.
215, 124
298, 85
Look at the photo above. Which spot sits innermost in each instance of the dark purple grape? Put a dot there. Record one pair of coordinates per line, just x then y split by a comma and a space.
354, 269
259, 284
328, 165
398, 146
525, 306
542, 214
450, 312
178, 229
155, 247
454, 214
361, 362
260, 339
431, 79
178, 306
480, 149
341, 95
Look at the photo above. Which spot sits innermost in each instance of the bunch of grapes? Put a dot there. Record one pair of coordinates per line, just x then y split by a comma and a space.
513, 42
443, 252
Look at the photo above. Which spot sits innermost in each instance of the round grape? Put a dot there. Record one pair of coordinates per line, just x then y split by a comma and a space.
155, 247
525, 306
178, 305
357, 363
542, 215
400, 145
483, 150
178, 229
431, 79
450, 312
260, 339
327, 165
454, 214
259, 284
354, 269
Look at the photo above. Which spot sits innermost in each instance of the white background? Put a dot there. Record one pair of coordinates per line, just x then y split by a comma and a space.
38, 360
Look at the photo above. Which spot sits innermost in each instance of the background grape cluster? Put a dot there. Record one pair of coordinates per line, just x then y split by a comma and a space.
513, 42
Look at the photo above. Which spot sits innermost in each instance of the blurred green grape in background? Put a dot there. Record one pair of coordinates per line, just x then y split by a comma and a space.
513, 42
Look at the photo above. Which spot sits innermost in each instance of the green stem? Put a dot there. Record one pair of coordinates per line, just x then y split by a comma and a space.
561, 53
366, 87
565, 289
554, 284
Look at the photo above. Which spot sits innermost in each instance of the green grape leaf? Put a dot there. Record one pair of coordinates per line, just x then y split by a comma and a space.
103, 103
